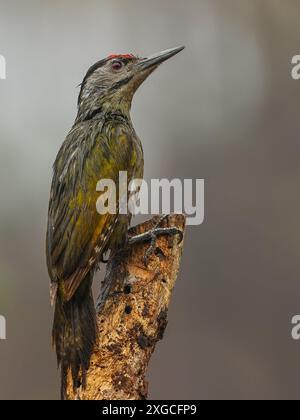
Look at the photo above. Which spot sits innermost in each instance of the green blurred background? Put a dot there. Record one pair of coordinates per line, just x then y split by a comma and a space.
226, 110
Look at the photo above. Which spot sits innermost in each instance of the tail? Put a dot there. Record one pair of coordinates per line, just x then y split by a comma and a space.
74, 334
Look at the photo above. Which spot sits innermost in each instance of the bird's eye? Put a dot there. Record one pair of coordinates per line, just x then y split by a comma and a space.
117, 65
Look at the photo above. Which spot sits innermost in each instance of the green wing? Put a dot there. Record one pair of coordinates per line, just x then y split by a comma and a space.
77, 233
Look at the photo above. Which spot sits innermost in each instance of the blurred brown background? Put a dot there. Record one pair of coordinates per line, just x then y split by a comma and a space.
227, 110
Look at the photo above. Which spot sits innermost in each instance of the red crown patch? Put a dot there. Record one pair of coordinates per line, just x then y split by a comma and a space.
126, 56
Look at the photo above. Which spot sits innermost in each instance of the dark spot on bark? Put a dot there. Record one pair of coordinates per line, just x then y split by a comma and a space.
145, 311
128, 309
162, 323
115, 348
144, 341
135, 330
119, 381
127, 289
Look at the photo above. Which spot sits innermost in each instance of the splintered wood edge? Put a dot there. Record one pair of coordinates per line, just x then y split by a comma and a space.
132, 316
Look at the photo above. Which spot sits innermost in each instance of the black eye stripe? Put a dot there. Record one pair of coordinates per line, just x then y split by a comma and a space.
121, 83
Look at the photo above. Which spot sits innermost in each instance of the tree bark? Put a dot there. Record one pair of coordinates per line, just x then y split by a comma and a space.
132, 316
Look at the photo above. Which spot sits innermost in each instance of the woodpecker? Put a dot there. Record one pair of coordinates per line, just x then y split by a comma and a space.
101, 143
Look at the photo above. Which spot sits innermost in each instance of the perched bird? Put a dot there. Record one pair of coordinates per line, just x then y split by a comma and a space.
101, 143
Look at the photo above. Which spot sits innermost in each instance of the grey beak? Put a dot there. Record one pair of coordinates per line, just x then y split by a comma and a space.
156, 59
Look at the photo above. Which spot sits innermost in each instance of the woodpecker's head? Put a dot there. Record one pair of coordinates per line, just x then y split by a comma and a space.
111, 83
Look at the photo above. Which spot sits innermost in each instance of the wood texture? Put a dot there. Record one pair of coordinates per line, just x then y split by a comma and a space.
132, 316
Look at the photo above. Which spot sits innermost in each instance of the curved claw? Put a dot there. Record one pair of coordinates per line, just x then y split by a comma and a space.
151, 236
168, 230
180, 234
171, 231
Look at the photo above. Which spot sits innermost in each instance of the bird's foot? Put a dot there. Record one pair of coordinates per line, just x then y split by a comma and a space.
151, 236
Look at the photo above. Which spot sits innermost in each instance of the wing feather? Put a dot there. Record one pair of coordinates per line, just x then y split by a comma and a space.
77, 233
